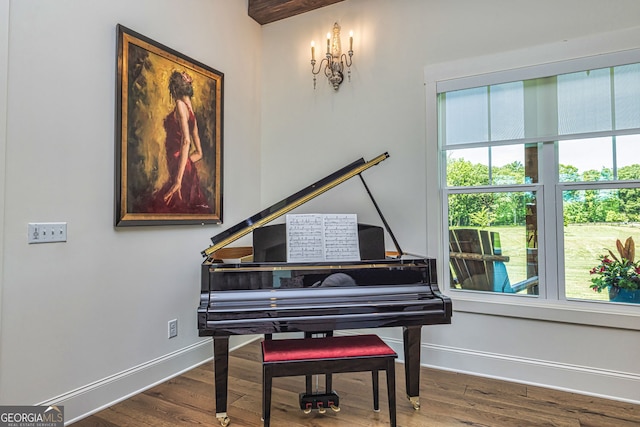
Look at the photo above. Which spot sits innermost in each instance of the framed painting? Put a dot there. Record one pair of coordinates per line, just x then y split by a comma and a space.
168, 135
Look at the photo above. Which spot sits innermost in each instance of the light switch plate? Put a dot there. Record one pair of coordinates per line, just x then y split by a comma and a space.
47, 232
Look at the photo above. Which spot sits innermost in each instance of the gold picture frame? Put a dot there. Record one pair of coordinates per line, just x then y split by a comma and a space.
169, 117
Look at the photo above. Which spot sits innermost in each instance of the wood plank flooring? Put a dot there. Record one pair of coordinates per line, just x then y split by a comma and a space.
447, 399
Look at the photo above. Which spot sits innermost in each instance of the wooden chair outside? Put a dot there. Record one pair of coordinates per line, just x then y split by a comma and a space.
477, 263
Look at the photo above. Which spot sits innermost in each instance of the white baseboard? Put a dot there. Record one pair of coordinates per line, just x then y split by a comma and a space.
602, 383
99, 395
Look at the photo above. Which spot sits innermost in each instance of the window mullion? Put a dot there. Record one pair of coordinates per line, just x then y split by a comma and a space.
614, 126
550, 237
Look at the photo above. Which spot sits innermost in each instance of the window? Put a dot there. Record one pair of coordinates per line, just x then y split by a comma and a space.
541, 176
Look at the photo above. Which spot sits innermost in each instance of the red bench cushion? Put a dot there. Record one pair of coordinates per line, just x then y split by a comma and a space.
324, 348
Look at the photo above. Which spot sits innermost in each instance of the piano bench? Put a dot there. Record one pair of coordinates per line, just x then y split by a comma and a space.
328, 355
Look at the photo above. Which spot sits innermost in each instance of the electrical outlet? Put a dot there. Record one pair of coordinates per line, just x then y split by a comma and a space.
173, 328
46, 232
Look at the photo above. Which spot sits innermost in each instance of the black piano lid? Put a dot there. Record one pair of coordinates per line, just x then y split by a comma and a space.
275, 211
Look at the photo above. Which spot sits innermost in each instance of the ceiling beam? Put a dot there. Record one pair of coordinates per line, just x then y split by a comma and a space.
266, 11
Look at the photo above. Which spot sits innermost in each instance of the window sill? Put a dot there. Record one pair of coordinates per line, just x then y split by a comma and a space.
603, 314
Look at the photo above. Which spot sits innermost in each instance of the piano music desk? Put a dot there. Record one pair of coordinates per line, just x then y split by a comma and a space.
328, 355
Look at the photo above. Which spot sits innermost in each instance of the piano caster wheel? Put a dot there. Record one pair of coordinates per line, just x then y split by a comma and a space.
224, 419
415, 401
335, 408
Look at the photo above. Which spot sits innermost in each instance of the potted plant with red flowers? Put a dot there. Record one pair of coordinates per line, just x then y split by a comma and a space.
619, 275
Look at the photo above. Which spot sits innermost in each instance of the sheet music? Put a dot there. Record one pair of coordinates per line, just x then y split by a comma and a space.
341, 237
322, 237
305, 238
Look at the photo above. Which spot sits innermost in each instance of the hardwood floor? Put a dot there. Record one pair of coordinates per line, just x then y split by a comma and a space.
447, 399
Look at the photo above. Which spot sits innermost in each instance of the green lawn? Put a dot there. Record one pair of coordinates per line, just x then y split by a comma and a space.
583, 244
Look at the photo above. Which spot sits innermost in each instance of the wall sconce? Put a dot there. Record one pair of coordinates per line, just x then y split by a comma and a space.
335, 59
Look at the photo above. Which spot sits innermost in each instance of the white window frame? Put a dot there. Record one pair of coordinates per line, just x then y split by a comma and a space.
600, 51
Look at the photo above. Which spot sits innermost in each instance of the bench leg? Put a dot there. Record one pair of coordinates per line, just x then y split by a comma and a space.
376, 388
391, 391
267, 382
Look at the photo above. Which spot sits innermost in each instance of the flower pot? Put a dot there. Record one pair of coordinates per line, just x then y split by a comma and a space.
624, 295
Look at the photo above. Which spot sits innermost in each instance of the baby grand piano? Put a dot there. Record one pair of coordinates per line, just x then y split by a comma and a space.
266, 296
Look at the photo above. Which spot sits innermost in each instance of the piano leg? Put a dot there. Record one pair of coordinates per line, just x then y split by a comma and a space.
411, 336
221, 372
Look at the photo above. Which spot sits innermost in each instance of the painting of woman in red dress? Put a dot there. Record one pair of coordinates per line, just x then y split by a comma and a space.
182, 192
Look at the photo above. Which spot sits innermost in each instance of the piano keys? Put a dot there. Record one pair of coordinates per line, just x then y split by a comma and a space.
269, 295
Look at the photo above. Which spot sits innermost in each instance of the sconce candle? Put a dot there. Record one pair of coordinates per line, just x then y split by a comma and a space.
334, 62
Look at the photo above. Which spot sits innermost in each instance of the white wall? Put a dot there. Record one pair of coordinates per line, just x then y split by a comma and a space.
307, 134
85, 322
